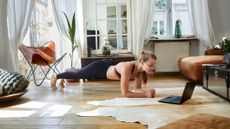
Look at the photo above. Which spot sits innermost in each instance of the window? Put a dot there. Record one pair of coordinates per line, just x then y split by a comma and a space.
107, 20
165, 15
42, 28
38, 26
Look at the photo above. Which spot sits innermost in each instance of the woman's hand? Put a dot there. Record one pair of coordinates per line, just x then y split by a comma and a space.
150, 93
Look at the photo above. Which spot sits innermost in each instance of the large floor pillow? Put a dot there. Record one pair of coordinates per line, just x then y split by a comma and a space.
12, 82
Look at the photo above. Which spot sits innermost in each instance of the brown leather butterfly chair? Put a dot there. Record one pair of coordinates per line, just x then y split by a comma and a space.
41, 56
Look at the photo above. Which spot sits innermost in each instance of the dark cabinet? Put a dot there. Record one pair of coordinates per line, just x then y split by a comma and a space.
217, 80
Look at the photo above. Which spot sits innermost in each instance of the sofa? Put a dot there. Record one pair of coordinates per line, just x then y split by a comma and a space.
191, 67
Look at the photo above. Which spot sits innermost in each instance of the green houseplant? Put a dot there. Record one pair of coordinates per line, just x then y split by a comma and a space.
106, 49
225, 46
71, 31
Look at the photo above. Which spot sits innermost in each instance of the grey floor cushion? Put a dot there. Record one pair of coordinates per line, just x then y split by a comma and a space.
12, 82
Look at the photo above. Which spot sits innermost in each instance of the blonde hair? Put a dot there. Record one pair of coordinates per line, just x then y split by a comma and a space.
145, 56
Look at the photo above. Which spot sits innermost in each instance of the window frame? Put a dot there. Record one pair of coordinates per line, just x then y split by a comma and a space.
169, 19
118, 19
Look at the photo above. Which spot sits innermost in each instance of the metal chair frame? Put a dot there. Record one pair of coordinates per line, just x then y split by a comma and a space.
51, 62
52, 67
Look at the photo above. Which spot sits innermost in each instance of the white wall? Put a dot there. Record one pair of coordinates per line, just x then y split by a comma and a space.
220, 17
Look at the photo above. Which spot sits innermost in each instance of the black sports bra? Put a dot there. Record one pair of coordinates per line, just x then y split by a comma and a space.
119, 75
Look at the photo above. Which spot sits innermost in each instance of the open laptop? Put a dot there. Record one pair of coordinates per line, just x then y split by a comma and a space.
187, 94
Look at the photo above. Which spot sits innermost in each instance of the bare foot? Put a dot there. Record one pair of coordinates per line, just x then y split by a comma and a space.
53, 81
62, 83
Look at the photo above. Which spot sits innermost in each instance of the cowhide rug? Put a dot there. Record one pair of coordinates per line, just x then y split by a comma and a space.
149, 111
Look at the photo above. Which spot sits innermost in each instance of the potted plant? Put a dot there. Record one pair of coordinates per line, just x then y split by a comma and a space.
225, 46
71, 31
106, 49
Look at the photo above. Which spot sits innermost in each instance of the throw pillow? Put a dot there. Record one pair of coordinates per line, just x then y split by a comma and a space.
12, 82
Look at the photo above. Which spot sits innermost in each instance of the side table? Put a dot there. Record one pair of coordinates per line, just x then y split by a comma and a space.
216, 80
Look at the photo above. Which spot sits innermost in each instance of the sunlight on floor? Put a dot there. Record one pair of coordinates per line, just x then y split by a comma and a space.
56, 110
32, 104
30, 108
15, 113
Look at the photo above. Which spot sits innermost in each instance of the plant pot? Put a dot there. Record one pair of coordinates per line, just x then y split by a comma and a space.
72, 80
106, 52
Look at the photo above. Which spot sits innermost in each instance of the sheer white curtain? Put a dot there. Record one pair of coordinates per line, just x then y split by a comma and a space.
5, 57
60, 6
19, 13
201, 24
81, 26
141, 18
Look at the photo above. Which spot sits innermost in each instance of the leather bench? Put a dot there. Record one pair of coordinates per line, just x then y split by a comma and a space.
191, 67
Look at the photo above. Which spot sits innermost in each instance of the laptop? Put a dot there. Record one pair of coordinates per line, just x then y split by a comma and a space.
187, 94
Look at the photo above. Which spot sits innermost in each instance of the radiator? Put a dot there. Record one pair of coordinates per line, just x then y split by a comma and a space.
168, 54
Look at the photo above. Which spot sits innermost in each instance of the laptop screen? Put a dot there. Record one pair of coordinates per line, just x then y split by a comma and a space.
189, 88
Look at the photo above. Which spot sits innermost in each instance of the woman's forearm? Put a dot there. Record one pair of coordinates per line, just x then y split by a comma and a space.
135, 95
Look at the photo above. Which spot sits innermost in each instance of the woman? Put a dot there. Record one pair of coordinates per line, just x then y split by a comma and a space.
123, 71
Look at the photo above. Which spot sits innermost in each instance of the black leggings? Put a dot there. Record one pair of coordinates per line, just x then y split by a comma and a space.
95, 70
